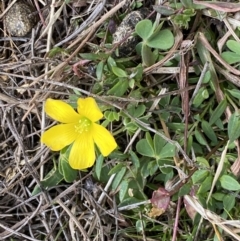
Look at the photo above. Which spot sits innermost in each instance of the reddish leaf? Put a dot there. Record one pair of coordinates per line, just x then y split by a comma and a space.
161, 198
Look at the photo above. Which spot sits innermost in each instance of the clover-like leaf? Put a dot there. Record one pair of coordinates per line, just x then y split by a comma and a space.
144, 29
163, 39
168, 151
144, 148
231, 57
234, 46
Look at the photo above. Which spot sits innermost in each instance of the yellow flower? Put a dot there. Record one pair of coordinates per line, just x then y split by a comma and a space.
78, 128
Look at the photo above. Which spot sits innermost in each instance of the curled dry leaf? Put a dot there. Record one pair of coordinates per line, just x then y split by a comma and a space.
155, 212
190, 210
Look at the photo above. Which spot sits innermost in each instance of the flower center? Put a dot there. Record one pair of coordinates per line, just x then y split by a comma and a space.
83, 125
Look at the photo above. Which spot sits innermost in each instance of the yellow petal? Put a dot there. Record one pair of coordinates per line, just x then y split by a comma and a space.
89, 108
61, 111
59, 136
82, 154
103, 139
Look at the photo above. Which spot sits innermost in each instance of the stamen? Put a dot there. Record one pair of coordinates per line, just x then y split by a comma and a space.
83, 125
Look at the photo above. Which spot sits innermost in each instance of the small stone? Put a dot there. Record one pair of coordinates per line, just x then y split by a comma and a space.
124, 29
20, 19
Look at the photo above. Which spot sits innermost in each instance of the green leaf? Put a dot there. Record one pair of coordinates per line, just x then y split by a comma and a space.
207, 77
234, 127
205, 185
111, 62
104, 177
190, 11
119, 88
219, 124
182, 20
111, 115
92, 56
199, 176
116, 169
205, 94
97, 88
161, 164
144, 170
208, 131
184, 190
229, 183
218, 112
140, 225
200, 138
229, 202
218, 196
176, 126
98, 166
231, 57
164, 10
144, 29
119, 72
203, 162
168, 151
137, 73
131, 83
235, 93
152, 167
118, 155
136, 111
134, 159
161, 40
123, 190
69, 174
234, 46
99, 70
158, 143
148, 57
53, 178
118, 178
149, 139
144, 148
200, 97
56, 50
189, 144
187, 4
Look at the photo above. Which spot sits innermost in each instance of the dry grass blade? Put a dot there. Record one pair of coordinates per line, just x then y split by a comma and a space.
228, 226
